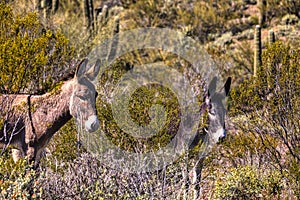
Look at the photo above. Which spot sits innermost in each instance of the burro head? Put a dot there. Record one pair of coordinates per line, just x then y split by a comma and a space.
83, 98
214, 102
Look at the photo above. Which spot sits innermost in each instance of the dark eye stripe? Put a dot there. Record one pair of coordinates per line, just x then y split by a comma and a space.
82, 97
212, 112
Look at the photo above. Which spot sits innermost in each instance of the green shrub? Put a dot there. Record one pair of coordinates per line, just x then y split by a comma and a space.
63, 145
199, 19
139, 108
289, 19
270, 104
87, 178
18, 181
32, 56
276, 8
247, 182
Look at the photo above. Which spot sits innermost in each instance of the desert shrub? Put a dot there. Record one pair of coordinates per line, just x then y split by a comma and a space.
198, 19
272, 9
248, 182
269, 104
289, 19
64, 144
143, 99
237, 63
32, 57
18, 181
276, 8
88, 178
239, 150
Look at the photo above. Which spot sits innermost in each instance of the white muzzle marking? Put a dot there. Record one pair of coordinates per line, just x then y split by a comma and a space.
92, 124
220, 133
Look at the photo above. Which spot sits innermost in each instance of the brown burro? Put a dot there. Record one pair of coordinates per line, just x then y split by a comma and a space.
29, 121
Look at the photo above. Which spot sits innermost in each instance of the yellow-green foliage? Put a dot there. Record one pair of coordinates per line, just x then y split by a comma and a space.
281, 8
139, 107
197, 18
270, 106
275, 87
248, 182
31, 54
142, 100
18, 181
63, 145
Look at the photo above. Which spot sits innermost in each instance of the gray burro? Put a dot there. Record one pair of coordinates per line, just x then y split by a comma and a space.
29, 121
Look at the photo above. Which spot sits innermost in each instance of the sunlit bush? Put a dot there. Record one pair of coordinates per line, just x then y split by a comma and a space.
18, 181
32, 57
248, 182
270, 104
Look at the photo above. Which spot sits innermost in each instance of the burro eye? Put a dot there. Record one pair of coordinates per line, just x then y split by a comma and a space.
81, 97
212, 112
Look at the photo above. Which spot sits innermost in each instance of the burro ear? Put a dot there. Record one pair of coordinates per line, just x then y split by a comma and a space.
94, 70
212, 86
227, 86
81, 68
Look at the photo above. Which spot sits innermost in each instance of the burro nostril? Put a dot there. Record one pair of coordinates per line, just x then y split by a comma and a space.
92, 124
95, 125
222, 138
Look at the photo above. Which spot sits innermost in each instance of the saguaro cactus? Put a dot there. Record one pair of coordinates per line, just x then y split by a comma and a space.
271, 69
37, 4
257, 51
89, 14
262, 4
102, 17
55, 5
115, 41
47, 7
271, 37
116, 27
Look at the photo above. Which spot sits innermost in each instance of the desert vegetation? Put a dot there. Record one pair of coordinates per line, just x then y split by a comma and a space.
42, 41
